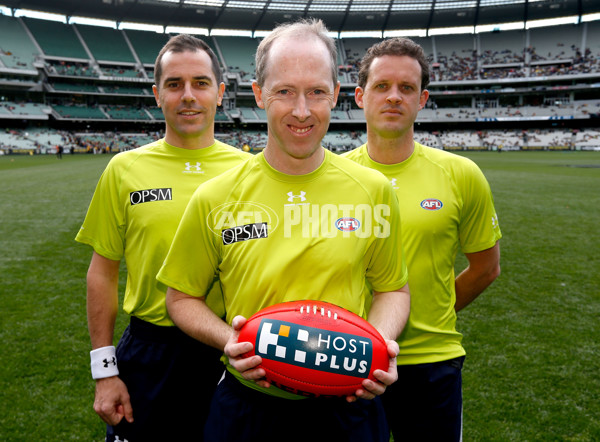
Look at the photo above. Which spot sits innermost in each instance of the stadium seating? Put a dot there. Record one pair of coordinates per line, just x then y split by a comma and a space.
120, 71
506, 47
146, 44
248, 114
106, 44
460, 140
79, 112
126, 113
156, 113
28, 110
74, 87
102, 76
341, 141
56, 39
512, 140
126, 89
545, 46
17, 51
588, 139
238, 55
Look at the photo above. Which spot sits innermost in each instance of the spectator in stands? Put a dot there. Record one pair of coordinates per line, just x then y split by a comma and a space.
296, 83
158, 383
446, 205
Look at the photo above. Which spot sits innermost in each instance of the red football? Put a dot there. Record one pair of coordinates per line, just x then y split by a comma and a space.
315, 348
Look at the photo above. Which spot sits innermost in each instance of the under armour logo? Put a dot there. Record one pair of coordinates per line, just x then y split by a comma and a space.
292, 196
188, 166
393, 181
108, 362
117, 439
494, 221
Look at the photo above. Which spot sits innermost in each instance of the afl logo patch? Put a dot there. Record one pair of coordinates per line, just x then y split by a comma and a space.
347, 224
431, 204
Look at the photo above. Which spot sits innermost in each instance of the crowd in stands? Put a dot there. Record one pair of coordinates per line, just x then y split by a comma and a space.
70, 68
46, 140
469, 65
122, 72
490, 109
248, 140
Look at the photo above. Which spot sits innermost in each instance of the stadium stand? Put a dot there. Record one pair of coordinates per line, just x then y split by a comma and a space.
17, 51
521, 89
56, 39
146, 44
127, 113
238, 55
588, 139
73, 87
544, 45
24, 110
106, 44
156, 113
502, 48
78, 112
120, 71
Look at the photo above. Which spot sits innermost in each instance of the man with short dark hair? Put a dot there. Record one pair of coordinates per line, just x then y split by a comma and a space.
158, 383
446, 204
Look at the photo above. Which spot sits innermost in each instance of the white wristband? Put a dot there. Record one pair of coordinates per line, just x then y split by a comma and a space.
104, 362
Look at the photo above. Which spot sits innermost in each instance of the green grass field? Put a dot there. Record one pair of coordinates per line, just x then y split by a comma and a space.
533, 363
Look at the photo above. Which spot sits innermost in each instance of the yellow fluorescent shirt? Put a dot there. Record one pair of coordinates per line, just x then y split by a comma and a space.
446, 205
136, 208
271, 237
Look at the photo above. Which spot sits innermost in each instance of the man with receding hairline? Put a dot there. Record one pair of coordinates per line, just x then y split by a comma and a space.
297, 86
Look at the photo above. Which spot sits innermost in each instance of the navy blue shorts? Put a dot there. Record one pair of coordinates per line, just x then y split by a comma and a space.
426, 402
241, 414
170, 377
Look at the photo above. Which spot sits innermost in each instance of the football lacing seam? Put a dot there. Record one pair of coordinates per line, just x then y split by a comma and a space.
314, 311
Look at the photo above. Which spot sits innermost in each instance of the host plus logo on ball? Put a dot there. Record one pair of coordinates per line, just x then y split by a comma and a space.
314, 348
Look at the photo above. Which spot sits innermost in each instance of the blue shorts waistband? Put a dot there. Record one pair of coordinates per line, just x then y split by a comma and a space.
146, 330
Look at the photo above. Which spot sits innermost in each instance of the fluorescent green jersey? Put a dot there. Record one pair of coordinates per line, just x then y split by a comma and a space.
136, 209
271, 237
446, 204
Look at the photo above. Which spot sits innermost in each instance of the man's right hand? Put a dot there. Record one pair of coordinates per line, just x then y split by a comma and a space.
112, 401
248, 367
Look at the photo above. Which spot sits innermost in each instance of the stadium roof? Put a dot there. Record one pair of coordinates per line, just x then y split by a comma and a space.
339, 15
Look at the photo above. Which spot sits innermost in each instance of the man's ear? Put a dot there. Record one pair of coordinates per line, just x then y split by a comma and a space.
336, 93
258, 94
423, 98
220, 94
155, 91
358, 96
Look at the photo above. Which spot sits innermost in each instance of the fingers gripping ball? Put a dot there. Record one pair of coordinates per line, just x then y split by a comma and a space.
315, 348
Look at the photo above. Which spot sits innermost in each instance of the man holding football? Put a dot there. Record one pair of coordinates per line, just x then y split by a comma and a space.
267, 230
446, 204
145, 389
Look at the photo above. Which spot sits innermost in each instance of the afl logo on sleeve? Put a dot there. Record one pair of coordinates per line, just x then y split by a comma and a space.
431, 204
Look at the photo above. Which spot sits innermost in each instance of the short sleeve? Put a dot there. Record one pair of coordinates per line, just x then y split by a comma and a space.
479, 228
386, 268
192, 262
104, 224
